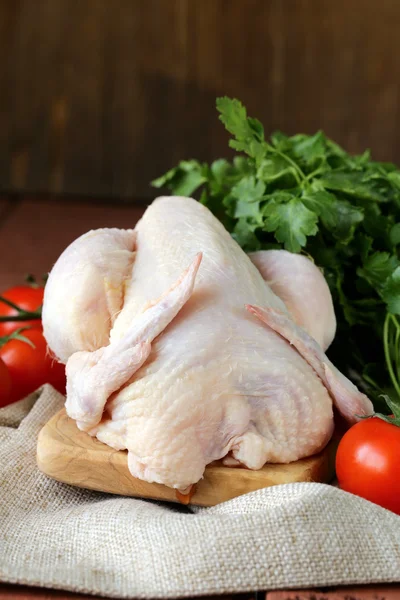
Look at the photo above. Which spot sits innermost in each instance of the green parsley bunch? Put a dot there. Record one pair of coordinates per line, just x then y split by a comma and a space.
306, 194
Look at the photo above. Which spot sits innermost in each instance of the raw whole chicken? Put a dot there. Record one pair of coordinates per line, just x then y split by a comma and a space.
183, 350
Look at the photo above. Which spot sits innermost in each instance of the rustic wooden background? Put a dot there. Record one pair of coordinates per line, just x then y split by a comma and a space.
98, 97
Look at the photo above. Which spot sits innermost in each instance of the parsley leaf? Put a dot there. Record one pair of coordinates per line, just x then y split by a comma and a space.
338, 216
248, 189
395, 234
183, 179
391, 292
377, 268
310, 149
291, 222
248, 133
243, 233
352, 184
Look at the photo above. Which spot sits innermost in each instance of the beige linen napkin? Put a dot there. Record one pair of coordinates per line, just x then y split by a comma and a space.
295, 535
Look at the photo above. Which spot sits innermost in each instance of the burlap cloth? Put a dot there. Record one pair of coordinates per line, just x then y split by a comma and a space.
296, 535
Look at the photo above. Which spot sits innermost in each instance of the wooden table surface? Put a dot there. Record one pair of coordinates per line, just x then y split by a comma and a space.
33, 233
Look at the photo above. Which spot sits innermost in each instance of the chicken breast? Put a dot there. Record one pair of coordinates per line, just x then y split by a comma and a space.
202, 361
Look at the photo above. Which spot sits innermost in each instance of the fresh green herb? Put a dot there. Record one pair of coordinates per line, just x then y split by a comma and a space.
306, 194
391, 344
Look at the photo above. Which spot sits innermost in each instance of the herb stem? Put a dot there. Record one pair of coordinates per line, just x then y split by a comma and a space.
397, 350
314, 173
386, 346
290, 161
371, 382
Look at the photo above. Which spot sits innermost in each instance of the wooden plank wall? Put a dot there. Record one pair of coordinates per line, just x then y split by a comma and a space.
98, 97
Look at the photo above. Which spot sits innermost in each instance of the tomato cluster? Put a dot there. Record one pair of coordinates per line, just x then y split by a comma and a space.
25, 361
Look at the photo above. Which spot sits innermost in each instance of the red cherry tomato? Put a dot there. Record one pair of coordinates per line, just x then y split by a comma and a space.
5, 385
27, 298
367, 462
30, 367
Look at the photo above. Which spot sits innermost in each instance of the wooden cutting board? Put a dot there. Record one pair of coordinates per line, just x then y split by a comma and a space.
69, 455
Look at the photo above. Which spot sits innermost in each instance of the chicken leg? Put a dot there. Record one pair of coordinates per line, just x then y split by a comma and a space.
350, 402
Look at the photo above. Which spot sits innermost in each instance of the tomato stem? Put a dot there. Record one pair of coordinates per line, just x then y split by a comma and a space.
9, 303
24, 316
17, 335
31, 280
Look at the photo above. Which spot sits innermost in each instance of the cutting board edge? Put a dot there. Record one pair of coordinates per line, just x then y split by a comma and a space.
318, 468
